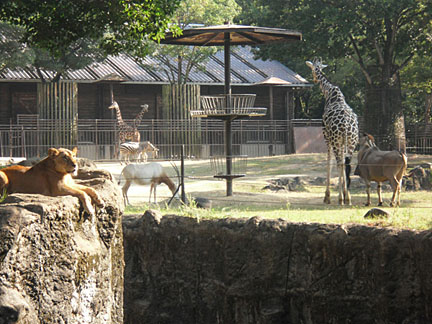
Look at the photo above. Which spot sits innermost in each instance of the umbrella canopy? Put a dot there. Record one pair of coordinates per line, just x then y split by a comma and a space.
273, 81
231, 34
239, 35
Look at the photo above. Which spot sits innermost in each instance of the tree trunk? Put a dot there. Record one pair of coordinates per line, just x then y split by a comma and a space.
428, 105
383, 115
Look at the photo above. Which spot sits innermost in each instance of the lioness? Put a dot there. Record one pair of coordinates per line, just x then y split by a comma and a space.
52, 177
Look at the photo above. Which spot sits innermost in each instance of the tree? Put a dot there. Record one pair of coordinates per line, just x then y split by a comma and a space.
180, 60
65, 31
381, 36
13, 53
417, 84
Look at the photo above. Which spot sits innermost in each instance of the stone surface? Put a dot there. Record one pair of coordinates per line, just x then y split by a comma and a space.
419, 178
241, 271
57, 264
377, 213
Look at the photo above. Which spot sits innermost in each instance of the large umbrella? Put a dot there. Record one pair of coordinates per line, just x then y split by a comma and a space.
231, 34
227, 35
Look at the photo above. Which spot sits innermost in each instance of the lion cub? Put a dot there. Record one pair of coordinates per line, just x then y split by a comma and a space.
52, 176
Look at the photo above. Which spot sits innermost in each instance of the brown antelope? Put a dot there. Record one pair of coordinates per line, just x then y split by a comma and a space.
376, 165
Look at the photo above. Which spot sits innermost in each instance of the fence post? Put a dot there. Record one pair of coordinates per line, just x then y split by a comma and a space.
182, 173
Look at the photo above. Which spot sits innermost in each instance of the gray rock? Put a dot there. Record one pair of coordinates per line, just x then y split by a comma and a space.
376, 213
201, 202
56, 264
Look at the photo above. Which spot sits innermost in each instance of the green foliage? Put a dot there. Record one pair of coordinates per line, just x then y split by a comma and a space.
56, 25
13, 53
380, 36
417, 85
70, 34
180, 60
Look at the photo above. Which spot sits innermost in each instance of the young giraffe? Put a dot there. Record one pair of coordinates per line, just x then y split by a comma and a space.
127, 132
340, 128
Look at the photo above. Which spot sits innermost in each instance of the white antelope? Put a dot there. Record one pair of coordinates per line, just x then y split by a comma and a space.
144, 174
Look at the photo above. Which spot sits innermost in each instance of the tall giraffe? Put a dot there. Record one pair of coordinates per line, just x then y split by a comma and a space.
340, 129
139, 117
127, 132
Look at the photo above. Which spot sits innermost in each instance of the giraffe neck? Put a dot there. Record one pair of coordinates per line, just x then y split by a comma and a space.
119, 117
331, 92
139, 117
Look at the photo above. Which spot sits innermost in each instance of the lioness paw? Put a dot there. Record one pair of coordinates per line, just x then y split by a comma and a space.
88, 207
99, 202
90, 210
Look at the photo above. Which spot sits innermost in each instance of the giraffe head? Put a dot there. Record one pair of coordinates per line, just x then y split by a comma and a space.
114, 105
316, 66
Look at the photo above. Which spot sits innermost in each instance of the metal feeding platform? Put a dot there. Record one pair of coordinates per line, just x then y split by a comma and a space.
238, 166
228, 107
232, 107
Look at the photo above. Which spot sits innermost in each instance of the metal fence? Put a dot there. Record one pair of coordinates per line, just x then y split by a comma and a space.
97, 138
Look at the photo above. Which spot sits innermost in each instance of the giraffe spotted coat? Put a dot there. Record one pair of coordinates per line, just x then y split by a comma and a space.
125, 131
340, 130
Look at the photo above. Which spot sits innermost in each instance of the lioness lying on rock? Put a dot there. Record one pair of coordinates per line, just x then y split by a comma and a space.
52, 176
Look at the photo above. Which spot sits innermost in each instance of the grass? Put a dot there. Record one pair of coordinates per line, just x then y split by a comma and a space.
251, 200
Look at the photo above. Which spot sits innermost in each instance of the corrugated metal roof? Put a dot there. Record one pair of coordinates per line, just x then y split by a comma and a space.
245, 70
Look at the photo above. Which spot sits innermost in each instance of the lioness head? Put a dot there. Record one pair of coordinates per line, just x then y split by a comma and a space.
64, 159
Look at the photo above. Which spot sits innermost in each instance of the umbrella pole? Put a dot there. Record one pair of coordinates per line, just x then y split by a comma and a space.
228, 149
228, 131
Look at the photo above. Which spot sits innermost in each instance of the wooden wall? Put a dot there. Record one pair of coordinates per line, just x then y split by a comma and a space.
94, 99
17, 98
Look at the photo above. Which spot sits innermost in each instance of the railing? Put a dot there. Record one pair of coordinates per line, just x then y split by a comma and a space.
96, 138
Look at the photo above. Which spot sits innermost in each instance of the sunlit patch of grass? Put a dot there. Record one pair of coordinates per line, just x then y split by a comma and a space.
250, 199
400, 217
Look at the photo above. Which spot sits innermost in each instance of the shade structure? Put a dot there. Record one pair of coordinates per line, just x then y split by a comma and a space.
239, 35
272, 81
227, 35
231, 34
111, 79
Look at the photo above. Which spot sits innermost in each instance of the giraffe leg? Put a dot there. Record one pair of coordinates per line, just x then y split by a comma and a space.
341, 182
327, 193
345, 176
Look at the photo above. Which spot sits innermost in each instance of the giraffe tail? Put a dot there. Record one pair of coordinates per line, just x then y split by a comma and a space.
348, 170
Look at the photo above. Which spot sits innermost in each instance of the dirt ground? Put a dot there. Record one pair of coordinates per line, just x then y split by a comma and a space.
199, 181
215, 189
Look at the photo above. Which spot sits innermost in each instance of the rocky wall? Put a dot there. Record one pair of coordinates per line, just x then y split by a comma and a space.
240, 271
57, 264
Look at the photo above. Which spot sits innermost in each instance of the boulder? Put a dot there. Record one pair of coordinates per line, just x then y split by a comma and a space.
419, 178
57, 264
376, 213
